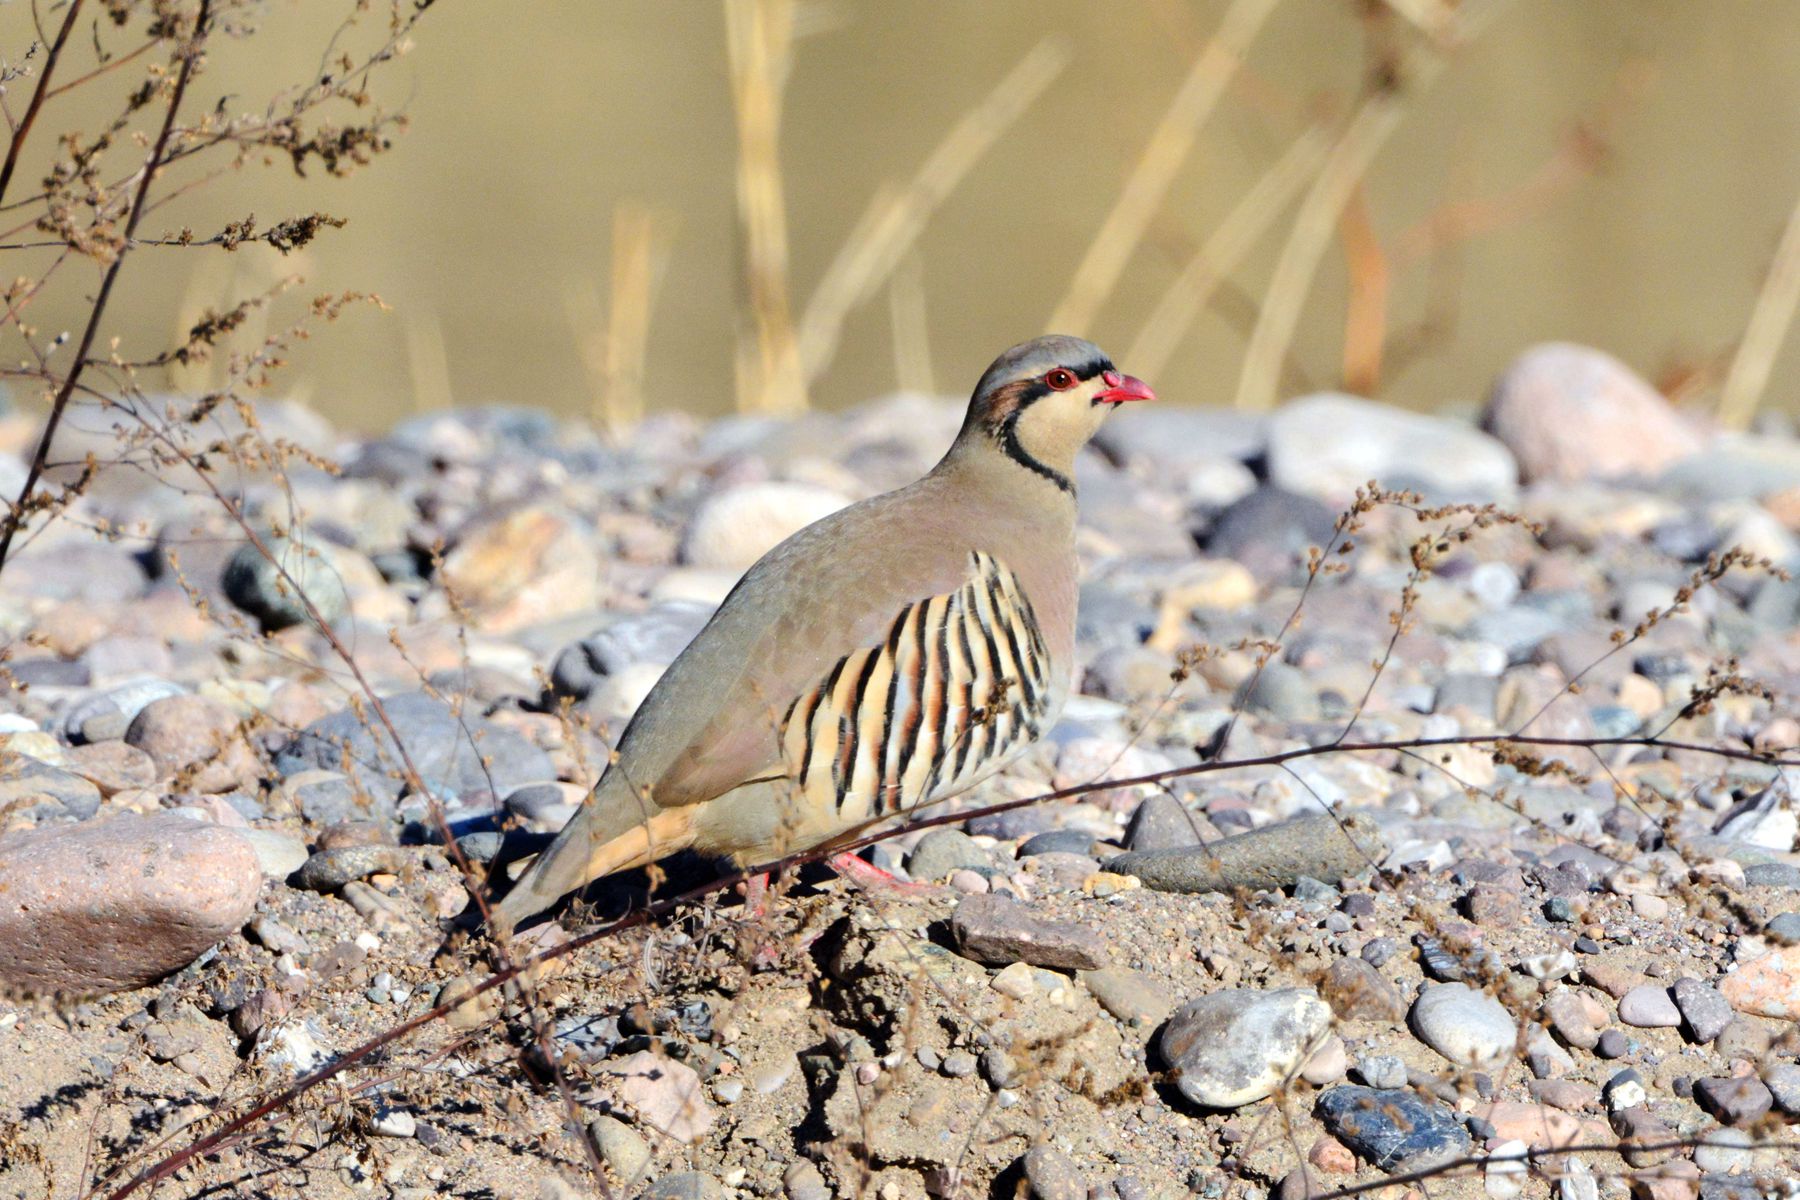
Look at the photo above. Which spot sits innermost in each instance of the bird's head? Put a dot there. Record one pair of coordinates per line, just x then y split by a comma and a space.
1042, 400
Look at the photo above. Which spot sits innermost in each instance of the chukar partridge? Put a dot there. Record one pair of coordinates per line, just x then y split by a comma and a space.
888, 656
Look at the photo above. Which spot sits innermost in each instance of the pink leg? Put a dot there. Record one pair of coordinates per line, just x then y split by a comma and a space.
865, 874
756, 895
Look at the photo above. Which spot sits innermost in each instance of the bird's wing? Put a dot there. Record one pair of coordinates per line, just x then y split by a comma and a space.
714, 720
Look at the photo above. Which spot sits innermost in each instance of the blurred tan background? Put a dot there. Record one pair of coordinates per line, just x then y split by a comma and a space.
489, 230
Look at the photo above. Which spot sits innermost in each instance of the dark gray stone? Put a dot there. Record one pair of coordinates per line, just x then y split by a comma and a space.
275, 587
1774, 874
1161, 822
1057, 841
942, 851
1393, 1128
1704, 1012
1274, 857
1734, 1101
454, 756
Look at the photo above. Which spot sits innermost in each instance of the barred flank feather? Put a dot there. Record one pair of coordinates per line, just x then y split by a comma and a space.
959, 686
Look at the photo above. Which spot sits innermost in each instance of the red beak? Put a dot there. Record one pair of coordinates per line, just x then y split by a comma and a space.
1120, 388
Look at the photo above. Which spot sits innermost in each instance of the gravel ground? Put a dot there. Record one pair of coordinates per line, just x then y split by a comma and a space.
1344, 970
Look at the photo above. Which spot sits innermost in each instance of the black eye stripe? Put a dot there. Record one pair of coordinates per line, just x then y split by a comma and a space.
1035, 388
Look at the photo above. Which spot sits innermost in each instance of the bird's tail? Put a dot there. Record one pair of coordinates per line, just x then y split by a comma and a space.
616, 829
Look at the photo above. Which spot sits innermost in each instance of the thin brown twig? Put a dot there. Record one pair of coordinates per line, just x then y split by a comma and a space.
38, 95
190, 55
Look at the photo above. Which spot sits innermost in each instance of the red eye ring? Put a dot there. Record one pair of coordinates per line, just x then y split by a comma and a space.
1060, 379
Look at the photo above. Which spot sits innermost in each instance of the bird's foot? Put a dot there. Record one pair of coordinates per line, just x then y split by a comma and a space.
868, 876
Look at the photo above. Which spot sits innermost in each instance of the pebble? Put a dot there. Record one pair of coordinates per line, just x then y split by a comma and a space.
942, 851
277, 854
734, 528
1235, 1047
119, 903
664, 1092
1395, 1129
1570, 412
1734, 1101
999, 930
1504, 1175
1469, 1028
196, 739
1649, 1006
1131, 996
330, 870
1702, 1008
1723, 1151
455, 755
1052, 1175
1766, 986
276, 587
620, 1147
1161, 822
685, 1185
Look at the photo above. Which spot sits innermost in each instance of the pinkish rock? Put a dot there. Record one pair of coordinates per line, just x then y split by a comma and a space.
1766, 987
664, 1093
1571, 412
118, 904
195, 739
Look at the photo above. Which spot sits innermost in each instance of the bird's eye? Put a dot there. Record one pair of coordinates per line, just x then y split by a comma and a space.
1059, 379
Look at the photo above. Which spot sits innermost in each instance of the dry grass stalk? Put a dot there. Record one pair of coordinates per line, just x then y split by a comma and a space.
1168, 147
1187, 296
1369, 128
427, 361
894, 219
1371, 274
759, 35
613, 342
911, 330
1769, 321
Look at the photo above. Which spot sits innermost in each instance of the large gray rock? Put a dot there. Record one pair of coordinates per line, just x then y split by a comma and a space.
1571, 412
120, 903
276, 587
1237, 1046
1323, 847
1326, 446
456, 757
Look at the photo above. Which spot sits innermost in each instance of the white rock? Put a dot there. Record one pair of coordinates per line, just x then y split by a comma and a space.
1235, 1047
395, 1123
1469, 1028
740, 525
1330, 444
1578, 1182
1506, 1170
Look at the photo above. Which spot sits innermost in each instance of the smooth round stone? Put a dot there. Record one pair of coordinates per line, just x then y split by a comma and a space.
734, 528
278, 854
1469, 1028
115, 904
1648, 1006
942, 851
1057, 841
1725, 1150
1235, 1047
264, 585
